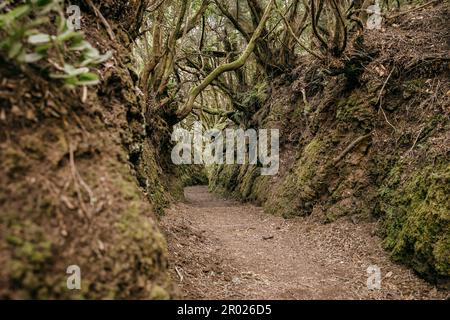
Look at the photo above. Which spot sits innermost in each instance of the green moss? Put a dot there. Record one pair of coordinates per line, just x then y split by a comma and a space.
259, 190
149, 177
140, 247
298, 191
247, 181
416, 209
412, 87
128, 189
227, 180
191, 175
441, 253
31, 253
355, 112
158, 293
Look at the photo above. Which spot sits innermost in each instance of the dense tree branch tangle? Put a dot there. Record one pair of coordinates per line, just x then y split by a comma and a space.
184, 112
228, 49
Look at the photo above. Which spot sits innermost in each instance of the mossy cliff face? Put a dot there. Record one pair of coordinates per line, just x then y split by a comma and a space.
416, 208
80, 185
192, 175
379, 177
310, 178
365, 150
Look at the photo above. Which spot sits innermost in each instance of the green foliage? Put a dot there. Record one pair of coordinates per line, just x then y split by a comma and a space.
417, 218
256, 95
24, 42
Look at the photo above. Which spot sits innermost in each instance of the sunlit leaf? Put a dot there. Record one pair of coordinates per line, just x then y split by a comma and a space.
32, 57
40, 38
88, 79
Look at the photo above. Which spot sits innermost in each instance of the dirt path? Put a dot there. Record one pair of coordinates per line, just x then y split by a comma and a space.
221, 249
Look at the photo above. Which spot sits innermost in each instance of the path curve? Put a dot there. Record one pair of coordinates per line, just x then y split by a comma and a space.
222, 249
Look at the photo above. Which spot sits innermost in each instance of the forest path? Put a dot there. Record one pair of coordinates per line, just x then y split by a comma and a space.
222, 249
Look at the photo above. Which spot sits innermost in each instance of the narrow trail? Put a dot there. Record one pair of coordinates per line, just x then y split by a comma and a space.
222, 249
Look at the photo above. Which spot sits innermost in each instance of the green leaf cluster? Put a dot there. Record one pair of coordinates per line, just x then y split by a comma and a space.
24, 41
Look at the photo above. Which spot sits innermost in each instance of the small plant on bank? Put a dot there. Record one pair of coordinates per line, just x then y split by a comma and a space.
68, 55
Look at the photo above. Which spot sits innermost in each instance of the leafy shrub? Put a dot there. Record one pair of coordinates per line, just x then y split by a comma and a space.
24, 42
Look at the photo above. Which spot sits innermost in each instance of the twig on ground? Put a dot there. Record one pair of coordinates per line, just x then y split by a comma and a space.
179, 274
415, 141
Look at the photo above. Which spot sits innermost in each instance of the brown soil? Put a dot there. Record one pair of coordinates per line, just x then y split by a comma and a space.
68, 192
221, 249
